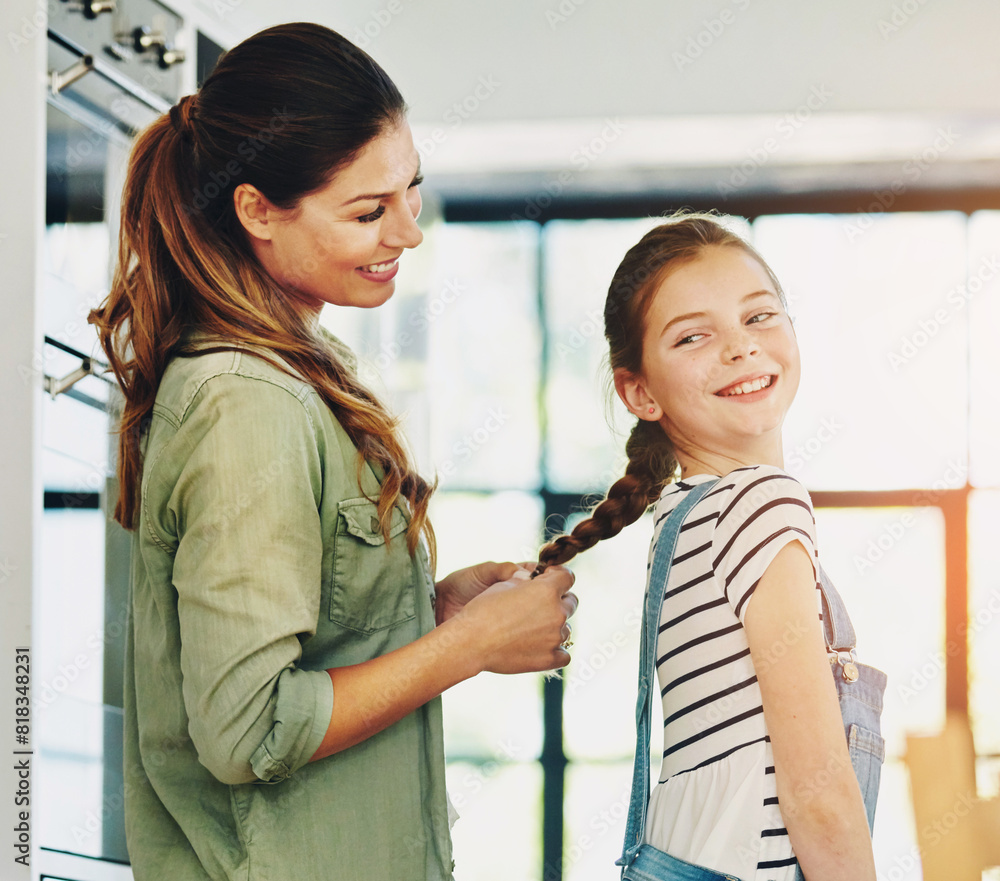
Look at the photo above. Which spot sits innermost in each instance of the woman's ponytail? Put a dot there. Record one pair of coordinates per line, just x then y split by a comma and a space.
141, 322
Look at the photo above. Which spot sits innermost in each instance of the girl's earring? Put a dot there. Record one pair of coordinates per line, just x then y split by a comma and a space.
652, 410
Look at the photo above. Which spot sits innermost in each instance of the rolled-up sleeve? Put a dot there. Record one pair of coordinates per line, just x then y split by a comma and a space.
243, 514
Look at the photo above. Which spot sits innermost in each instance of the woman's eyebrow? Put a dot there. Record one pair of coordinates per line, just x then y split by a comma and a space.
365, 197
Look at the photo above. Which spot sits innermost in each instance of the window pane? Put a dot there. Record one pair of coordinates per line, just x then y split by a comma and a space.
982, 295
472, 527
484, 356
600, 686
883, 398
489, 714
76, 279
75, 439
580, 258
597, 797
497, 836
492, 724
888, 565
69, 633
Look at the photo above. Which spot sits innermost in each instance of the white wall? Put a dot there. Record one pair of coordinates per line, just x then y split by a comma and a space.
558, 59
521, 86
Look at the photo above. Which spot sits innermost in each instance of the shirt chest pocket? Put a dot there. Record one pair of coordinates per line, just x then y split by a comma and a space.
372, 585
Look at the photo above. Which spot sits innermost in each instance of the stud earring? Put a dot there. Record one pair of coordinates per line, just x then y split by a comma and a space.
652, 410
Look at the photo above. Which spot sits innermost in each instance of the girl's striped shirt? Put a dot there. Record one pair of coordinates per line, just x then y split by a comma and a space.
716, 804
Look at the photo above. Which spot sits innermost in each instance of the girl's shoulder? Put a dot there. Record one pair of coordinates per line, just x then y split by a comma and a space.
741, 492
761, 494
736, 480
763, 482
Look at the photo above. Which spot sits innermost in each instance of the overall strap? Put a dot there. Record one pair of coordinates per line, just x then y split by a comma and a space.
837, 627
662, 558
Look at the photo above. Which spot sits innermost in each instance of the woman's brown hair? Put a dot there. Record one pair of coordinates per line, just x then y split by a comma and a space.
652, 462
282, 111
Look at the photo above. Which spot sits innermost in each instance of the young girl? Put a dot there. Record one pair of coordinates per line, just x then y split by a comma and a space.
286, 643
756, 771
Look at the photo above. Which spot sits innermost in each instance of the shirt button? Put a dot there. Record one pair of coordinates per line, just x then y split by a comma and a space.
375, 524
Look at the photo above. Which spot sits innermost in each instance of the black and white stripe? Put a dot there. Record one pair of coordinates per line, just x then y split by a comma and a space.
711, 699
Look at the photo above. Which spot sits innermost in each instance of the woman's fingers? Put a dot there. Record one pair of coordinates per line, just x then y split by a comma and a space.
558, 576
570, 602
524, 622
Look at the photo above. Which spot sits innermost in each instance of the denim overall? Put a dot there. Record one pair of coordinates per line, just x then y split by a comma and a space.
859, 689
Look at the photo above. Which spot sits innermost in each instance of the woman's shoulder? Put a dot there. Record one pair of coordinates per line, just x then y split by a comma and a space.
193, 376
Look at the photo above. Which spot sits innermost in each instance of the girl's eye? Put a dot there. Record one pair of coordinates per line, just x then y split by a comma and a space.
417, 181
760, 316
690, 338
375, 215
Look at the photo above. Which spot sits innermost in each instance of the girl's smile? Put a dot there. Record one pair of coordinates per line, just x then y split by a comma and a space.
748, 388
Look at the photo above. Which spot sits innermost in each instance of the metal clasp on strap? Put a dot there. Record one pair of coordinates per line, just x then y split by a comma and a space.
848, 668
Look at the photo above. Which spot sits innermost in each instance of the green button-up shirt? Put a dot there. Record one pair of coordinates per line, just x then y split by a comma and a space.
258, 563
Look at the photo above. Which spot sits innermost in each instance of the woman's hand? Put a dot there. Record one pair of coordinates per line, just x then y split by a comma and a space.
518, 625
455, 590
512, 626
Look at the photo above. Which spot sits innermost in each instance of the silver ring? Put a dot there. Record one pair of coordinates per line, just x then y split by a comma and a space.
568, 641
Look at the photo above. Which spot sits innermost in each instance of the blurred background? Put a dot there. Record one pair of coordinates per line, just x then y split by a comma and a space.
857, 146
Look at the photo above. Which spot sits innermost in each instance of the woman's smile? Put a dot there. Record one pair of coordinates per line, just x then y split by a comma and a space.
367, 211
379, 272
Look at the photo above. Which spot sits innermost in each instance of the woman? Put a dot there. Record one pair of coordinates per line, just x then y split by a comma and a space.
287, 644
756, 772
